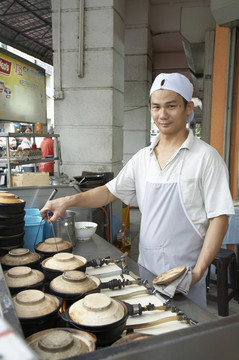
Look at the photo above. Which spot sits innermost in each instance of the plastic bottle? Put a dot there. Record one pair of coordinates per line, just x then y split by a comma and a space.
127, 245
120, 238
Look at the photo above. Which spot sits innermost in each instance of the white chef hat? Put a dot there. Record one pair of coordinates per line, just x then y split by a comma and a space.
174, 82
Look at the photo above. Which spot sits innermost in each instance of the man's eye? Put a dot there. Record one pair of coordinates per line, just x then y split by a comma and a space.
171, 107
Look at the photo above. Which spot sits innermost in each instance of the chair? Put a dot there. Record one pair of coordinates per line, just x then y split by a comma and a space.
225, 263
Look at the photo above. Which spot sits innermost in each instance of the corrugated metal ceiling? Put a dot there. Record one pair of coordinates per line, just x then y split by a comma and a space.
27, 26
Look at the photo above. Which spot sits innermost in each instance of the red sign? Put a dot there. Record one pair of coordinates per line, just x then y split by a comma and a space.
5, 67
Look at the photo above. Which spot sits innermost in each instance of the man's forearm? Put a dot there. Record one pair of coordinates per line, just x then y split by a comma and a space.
211, 245
93, 198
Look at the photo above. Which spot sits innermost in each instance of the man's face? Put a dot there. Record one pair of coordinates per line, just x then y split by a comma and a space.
168, 111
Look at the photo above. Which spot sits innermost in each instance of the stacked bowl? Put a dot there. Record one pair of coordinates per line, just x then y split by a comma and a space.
11, 221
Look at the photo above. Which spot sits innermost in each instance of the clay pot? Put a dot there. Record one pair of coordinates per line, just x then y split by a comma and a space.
12, 239
5, 249
58, 263
8, 230
100, 315
11, 220
21, 278
61, 343
8, 198
130, 337
7, 209
52, 246
73, 285
20, 257
36, 310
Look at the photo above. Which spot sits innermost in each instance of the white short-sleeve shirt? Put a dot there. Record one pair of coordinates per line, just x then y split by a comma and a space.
203, 180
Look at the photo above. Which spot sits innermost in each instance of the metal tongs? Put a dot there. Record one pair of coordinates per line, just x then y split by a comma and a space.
48, 216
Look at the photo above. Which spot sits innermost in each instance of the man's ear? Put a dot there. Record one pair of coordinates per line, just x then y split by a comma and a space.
190, 107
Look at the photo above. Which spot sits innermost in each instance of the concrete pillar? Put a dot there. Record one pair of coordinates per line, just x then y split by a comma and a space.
138, 77
88, 41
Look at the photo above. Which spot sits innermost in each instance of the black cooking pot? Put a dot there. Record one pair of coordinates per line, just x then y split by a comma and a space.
20, 257
16, 290
105, 334
47, 250
5, 249
14, 229
51, 273
35, 322
12, 240
12, 209
74, 285
12, 219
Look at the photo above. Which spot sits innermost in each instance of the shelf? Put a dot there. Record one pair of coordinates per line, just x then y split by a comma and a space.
30, 161
10, 162
7, 135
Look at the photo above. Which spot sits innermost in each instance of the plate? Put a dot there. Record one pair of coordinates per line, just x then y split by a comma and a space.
169, 276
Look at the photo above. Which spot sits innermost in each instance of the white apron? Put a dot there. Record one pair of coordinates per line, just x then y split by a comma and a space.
168, 238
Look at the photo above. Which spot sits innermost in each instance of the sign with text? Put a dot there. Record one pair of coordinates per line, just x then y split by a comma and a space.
22, 90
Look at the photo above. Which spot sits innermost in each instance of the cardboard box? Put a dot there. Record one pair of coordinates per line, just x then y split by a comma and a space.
30, 179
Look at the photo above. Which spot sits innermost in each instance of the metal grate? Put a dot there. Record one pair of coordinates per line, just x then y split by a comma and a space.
27, 26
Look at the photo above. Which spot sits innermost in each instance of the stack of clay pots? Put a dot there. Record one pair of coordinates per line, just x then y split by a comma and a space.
11, 222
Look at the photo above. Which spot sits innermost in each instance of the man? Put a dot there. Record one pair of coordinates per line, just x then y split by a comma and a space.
47, 150
181, 184
27, 144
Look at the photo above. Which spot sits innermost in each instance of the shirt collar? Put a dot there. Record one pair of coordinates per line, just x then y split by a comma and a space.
188, 143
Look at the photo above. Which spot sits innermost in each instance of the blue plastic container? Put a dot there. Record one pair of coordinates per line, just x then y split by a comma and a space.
32, 212
33, 231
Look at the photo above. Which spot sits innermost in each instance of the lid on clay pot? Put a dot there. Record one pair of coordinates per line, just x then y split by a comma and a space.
19, 256
130, 337
74, 282
64, 261
20, 276
96, 309
8, 198
53, 245
34, 303
61, 343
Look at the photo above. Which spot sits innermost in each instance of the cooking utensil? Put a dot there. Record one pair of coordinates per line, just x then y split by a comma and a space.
74, 285
131, 336
100, 315
60, 262
12, 240
64, 227
20, 257
53, 343
21, 278
52, 246
36, 310
48, 214
90, 181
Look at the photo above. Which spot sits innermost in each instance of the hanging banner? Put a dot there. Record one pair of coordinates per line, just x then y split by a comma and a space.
22, 90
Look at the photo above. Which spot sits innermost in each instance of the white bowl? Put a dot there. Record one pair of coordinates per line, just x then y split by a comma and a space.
84, 230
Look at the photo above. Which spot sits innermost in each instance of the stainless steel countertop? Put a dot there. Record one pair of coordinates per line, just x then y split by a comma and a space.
100, 248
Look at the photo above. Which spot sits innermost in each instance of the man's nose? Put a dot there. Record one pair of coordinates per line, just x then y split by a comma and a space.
163, 112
